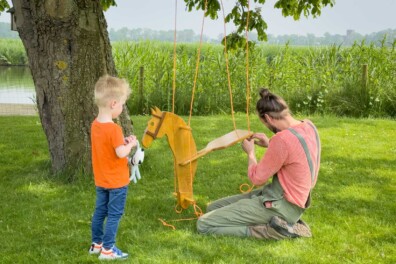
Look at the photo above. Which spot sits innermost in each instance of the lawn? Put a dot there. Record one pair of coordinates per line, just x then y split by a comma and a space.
45, 219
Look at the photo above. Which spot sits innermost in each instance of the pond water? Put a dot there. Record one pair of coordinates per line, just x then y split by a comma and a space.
16, 85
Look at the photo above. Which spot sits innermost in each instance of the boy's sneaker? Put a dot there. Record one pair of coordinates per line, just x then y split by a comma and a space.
112, 253
95, 248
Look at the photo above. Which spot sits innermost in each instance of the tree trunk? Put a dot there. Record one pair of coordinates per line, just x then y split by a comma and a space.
68, 49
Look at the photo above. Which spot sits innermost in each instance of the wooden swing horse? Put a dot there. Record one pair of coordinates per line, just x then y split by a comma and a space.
182, 144
180, 136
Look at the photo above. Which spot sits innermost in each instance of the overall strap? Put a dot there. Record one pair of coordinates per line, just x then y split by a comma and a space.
317, 145
306, 150
307, 154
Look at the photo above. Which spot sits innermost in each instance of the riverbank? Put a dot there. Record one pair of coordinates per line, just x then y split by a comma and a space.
18, 110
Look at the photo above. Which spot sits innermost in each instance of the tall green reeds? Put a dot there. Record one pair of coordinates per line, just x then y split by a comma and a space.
327, 80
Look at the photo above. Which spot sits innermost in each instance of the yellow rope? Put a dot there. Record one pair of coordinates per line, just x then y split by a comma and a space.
247, 68
195, 82
197, 64
166, 224
227, 67
174, 77
174, 63
249, 188
194, 86
241, 187
197, 211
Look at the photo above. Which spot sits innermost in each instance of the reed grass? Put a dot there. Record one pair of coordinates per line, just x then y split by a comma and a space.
324, 80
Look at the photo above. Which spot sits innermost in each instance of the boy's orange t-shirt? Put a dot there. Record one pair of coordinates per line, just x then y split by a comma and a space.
109, 170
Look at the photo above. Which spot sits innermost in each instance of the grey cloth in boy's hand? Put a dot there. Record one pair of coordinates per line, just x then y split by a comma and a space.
135, 161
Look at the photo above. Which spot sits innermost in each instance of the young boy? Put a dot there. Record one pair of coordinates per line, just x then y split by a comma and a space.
110, 166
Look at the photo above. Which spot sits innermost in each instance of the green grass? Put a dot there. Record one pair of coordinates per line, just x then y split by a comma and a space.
47, 220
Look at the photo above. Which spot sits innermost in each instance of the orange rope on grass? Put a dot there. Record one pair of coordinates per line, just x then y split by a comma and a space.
197, 211
166, 224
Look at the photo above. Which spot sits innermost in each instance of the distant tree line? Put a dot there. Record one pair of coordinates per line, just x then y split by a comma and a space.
126, 34
380, 38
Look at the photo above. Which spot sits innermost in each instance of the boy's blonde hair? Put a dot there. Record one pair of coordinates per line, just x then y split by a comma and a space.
109, 88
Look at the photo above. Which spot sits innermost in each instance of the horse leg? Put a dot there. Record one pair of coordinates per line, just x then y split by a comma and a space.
184, 191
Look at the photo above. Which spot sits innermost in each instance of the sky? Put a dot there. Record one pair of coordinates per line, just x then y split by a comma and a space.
362, 16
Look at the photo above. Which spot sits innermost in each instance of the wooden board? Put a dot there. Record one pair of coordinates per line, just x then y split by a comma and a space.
222, 142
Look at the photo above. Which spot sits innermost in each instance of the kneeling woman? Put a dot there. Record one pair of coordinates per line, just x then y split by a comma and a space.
292, 160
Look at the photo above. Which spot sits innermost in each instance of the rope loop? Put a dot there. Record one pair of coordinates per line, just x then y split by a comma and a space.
178, 208
197, 211
246, 188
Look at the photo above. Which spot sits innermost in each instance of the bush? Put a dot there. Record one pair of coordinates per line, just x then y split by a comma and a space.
12, 52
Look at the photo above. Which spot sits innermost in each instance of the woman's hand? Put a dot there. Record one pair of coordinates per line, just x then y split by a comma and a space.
248, 146
261, 139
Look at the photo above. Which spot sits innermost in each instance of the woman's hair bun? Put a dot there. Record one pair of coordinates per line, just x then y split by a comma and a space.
271, 104
264, 93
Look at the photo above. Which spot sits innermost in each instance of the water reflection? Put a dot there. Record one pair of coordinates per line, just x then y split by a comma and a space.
16, 85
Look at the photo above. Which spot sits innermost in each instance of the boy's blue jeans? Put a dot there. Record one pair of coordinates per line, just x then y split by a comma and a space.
110, 203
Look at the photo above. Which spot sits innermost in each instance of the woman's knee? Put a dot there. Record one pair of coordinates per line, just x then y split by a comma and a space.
202, 225
211, 207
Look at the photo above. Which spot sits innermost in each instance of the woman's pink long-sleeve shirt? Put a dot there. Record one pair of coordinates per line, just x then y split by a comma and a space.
285, 157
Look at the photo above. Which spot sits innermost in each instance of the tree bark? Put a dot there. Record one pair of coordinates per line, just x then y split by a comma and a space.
68, 49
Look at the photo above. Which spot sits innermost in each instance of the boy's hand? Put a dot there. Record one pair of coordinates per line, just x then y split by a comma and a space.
124, 150
131, 140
